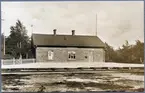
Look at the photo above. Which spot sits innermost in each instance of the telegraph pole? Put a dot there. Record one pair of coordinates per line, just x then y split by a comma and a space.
3, 37
96, 24
3, 40
20, 47
32, 29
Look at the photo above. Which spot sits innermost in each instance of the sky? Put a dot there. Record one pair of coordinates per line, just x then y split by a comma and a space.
112, 21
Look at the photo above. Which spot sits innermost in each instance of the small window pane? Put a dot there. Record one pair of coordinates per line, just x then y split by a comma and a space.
71, 55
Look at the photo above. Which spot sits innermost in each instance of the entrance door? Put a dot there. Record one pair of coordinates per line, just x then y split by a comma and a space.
50, 55
90, 56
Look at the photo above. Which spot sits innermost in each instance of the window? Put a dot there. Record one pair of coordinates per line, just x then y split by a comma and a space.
50, 55
71, 55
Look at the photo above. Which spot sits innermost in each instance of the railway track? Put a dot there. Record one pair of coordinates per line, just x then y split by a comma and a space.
64, 70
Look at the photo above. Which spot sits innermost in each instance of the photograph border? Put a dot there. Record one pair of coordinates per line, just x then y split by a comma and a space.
62, 1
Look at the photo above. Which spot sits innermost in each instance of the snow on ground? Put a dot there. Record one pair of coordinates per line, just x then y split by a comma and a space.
70, 65
82, 80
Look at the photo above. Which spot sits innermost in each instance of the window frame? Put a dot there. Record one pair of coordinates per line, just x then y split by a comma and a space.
71, 55
51, 54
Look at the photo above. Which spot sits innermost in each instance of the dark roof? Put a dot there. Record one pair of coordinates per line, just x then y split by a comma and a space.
66, 40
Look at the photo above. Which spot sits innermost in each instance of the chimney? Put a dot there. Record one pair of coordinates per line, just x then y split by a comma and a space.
73, 32
54, 32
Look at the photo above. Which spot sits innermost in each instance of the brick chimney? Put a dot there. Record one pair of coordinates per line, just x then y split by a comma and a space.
73, 32
54, 32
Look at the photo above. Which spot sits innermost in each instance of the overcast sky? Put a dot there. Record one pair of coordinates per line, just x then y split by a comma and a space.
117, 21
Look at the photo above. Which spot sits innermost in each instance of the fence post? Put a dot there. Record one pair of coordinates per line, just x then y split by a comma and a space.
13, 61
2, 62
33, 60
20, 59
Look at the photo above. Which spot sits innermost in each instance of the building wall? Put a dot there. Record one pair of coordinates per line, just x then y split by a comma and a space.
61, 54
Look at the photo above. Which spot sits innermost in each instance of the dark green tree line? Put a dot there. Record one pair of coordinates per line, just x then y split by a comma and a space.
126, 54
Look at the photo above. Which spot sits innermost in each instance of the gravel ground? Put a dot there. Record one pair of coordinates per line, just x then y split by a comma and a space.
98, 81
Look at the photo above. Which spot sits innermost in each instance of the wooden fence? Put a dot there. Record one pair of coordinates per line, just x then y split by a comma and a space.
17, 61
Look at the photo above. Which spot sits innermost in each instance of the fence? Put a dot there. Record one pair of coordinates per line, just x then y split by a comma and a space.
17, 61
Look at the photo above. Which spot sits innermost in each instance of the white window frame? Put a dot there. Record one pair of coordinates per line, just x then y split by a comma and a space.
71, 55
50, 54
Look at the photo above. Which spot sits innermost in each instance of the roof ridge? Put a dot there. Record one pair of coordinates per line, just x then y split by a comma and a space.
65, 35
68, 40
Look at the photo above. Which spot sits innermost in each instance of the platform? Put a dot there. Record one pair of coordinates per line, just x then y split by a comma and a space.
38, 65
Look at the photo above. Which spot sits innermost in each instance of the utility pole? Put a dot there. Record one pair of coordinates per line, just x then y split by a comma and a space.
3, 38
20, 47
20, 53
96, 24
32, 29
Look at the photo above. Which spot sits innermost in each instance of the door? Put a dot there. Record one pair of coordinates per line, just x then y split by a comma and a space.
90, 56
50, 55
